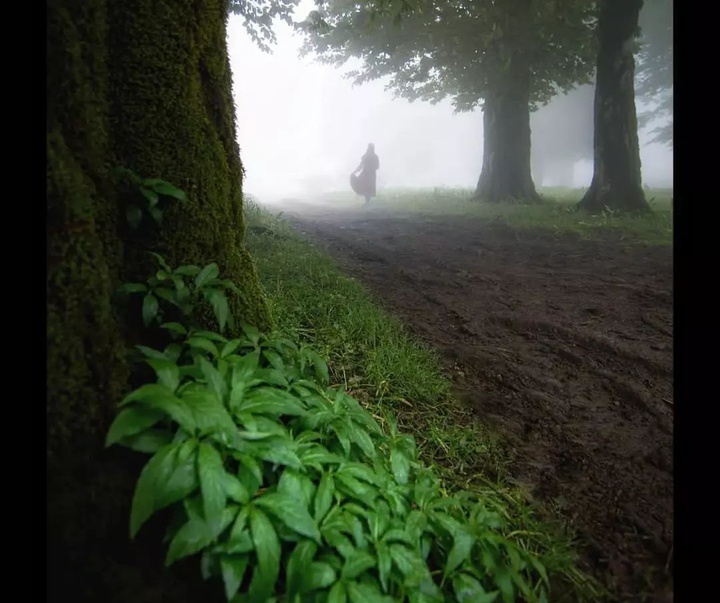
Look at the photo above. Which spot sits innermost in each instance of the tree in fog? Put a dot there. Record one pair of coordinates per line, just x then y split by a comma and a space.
504, 56
617, 180
654, 81
143, 84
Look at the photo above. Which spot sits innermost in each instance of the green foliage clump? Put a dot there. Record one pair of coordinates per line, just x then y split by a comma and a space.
286, 487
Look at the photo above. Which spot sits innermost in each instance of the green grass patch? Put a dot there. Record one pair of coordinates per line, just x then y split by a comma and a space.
558, 213
380, 365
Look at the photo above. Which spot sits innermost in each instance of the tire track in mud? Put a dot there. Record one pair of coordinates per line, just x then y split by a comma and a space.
564, 345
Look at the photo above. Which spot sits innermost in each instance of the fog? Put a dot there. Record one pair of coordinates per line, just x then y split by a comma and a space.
302, 128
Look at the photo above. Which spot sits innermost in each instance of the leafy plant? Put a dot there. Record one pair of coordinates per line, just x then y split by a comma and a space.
152, 189
286, 488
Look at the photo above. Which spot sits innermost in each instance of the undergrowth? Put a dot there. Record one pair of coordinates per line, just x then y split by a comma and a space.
374, 358
285, 486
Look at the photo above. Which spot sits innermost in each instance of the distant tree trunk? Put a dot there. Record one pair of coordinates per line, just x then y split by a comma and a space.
144, 84
506, 174
617, 179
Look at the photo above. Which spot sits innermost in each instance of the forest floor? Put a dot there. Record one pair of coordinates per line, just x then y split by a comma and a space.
560, 342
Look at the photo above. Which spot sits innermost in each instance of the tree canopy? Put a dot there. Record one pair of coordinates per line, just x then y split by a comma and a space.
655, 67
455, 49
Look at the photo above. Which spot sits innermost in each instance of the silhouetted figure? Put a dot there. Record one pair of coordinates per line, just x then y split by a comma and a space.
365, 183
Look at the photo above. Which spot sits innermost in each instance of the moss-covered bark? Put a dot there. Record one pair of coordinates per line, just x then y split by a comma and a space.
145, 84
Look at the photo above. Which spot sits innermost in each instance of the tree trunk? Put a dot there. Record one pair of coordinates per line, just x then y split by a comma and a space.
506, 174
143, 84
617, 179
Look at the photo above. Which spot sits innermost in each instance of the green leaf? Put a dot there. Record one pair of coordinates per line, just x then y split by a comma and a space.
469, 590
148, 441
297, 566
233, 571
132, 421
276, 450
271, 401
234, 489
149, 309
360, 592
221, 309
175, 327
150, 353
212, 482
400, 465
167, 477
296, 486
230, 347
190, 539
161, 398
167, 372
187, 270
410, 564
321, 367
267, 548
150, 195
324, 496
133, 288
208, 273
337, 593
384, 563
462, 546
210, 416
360, 437
165, 188
212, 376
356, 564
355, 488
320, 575
240, 541
134, 216
291, 512
202, 343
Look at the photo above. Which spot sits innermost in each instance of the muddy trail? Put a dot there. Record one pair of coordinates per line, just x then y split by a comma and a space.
563, 344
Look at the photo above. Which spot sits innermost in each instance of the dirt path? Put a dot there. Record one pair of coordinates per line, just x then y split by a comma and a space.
564, 344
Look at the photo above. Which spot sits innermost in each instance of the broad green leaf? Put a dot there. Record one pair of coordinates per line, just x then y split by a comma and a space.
234, 488
320, 575
134, 216
187, 270
209, 415
275, 450
150, 353
400, 465
133, 288
366, 593
355, 488
149, 309
503, 580
219, 302
168, 373
275, 360
410, 564
168, 295
165, 188
251, 333
296, 486
166, 478
396, 535
469, 590
233, 571
297, 566
208, 273
212, 482
321, 367
291, 512
324, 496
148, 441
161, 398
360, 437
337, 593
212, 376
271, 376
202, 343
267, 548
384, 563
190, 539
175, 327
268, 400
251, 466
230, 347
132, 421
462, 546
150, 195
356, 564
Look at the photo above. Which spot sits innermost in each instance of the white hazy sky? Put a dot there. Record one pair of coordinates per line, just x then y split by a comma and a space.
302, 127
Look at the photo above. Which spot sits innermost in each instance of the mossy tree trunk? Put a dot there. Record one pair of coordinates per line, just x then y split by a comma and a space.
617, 179
143, 84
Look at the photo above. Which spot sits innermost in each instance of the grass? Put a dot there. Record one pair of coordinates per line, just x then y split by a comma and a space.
372, 355
558, 213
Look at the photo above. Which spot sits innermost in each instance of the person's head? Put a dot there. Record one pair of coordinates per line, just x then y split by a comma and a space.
371, 148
